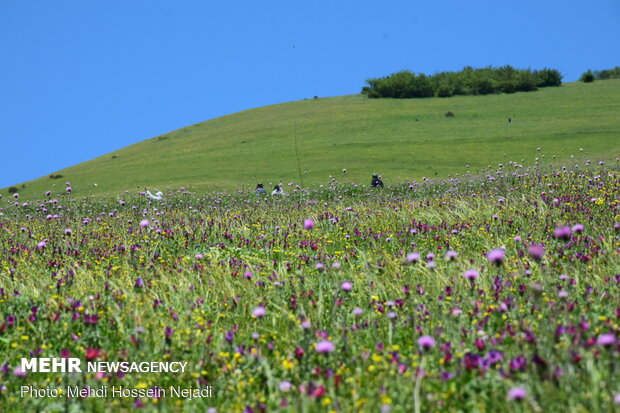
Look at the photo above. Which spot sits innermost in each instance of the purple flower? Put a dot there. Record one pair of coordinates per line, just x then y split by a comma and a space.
357, 312
606, 340
308, 224
578, 228
518, 363
471, 274
259, 312
18, 372
285, 386
139, 282
617, 399
413, 257
144, 223
562, 232
451, 255
199, 256
426, 342
324, 346
346, 286
41, 245
497, 256
536, 251
517, 393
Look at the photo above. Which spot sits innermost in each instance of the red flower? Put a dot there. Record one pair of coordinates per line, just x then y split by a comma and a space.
92, 353
318, 392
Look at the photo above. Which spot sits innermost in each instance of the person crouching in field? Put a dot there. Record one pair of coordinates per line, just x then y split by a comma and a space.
277, 190
260, 190
157, 196
376, 181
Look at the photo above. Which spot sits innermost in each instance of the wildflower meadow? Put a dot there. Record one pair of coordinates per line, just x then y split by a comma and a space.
491, 291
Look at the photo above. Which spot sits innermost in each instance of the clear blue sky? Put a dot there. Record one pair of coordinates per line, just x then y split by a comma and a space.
82, 78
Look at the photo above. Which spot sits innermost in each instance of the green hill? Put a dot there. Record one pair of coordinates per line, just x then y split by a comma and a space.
400, 139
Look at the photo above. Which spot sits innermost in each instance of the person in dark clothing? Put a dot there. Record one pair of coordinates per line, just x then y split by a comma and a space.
277, 190
376, 181
260, 190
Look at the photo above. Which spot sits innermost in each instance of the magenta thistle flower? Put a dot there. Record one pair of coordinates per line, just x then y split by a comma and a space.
426, 342
346, 286
536, 251
199, 256
285, 386
325, 346
259, 312
413, 257
451, 255
308, 224
471, 274
562, 232
606, 340
144, 223
18, 372
357, 312
578, 228
517, 393
497, 256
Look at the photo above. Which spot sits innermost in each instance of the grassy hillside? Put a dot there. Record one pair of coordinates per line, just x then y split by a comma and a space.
398, 138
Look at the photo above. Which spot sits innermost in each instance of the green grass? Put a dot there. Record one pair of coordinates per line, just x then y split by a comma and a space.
401, 139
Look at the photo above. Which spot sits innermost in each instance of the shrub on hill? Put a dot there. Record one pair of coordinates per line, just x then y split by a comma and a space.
469, 81
608, 74
587, 77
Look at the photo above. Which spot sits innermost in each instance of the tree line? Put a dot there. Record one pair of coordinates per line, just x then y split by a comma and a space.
591, 76
469, 81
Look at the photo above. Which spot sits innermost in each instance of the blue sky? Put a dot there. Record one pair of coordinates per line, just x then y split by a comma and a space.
80, 78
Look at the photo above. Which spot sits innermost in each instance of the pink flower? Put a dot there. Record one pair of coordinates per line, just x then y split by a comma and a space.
18, 372
413, 257
259, 312
562, 232
497, 256
536, 251
426, 342
517, 393
346, 286
144, 223
308, 224
471, 274
325, 346
606, 340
